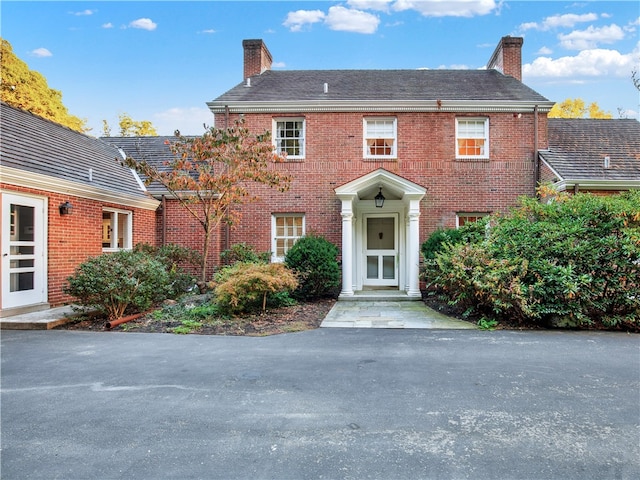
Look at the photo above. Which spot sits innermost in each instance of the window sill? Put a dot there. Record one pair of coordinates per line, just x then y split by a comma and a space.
472, 159
380, 159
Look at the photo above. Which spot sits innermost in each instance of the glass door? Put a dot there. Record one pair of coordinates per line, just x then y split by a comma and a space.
381, 251
23, 251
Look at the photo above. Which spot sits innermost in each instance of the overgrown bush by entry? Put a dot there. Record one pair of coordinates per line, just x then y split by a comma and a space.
119, 282
314, 260
244, 287
572, 262
470, 232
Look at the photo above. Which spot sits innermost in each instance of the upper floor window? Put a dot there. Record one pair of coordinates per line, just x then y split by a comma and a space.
116, 229
380, 137
286, 229
289, 137
472, 138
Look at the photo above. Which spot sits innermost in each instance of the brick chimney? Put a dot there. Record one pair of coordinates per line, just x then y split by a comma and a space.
257, 58
507, 57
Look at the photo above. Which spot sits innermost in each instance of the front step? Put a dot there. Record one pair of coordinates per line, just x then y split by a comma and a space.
378, 296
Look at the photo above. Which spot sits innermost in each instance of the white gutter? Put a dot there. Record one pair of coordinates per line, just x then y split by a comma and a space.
38, 181
598, 184
471, 106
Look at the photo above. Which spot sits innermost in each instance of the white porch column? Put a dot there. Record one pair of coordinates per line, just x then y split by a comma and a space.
347, 247
413, 254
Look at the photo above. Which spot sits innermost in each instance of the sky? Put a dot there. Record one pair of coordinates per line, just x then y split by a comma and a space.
162, 61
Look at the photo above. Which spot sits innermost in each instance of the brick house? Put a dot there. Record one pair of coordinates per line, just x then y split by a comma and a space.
64, 198
441, 147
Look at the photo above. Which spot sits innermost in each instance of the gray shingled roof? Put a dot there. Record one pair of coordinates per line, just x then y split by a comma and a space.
398, 85
33, 144
577, 148
153, 150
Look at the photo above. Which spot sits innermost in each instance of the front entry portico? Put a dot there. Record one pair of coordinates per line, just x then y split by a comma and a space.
380, 245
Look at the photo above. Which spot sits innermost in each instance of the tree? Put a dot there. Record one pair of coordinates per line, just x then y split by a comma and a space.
576, 108
130, 127
635, 78
211, 174
27, 89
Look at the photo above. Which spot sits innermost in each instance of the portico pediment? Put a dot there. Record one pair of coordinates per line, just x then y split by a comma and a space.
367, 186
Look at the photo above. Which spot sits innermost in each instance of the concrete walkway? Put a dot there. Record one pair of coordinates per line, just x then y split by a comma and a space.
40, 320
389, 314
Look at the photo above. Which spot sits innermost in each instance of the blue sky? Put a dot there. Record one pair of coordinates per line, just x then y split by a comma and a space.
162, 60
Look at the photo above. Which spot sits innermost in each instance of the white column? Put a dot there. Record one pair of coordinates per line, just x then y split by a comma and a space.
347, 249
414, 249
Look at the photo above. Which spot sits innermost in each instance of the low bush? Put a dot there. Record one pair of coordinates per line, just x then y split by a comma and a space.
180, 262
470, 233
244, 287
242, 252
574, 262
314, 261
119, 282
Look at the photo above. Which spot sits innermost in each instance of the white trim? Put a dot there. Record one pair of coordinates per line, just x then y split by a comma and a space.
128, 237
597, 184
274, 216
23, 178
485, 147
373, 106
274, 136
365, 148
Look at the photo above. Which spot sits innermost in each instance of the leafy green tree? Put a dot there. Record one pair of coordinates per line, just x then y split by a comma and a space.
576, 108
27, 89
211, 174
130, 127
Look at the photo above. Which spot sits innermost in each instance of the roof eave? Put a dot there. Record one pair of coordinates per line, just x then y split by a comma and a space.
479, 106
23, 178
596, 184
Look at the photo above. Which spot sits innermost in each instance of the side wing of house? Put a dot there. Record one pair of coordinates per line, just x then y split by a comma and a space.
588, 155
64, 198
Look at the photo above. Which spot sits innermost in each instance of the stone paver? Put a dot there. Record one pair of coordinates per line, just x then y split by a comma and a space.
389, 314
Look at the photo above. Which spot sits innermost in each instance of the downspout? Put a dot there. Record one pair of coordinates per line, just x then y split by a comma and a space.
227, 228
536, 158
164, 220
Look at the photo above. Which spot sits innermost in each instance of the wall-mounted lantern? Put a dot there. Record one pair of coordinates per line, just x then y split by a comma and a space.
379, 198
66, 208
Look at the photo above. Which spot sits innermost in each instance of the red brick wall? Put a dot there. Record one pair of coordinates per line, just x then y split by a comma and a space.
426, 156
184, 230
74, 238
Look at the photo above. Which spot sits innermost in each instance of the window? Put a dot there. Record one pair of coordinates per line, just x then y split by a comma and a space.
472, 138
380, 137
286, 230
289, 137
464, 218
116, 229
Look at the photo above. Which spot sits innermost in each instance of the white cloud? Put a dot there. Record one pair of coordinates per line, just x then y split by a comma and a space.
83, 13
544, 51
591, 37
189, 120
560, 21
143, 24
381, 5
447, 8
350, 20
297, 20
278, 65
107, 25
588, 63
41, 53
208, 31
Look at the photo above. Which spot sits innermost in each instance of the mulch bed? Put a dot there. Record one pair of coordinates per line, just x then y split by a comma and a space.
300, 317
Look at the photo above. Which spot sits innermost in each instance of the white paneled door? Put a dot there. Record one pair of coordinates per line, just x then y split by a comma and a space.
23, 251
381, 251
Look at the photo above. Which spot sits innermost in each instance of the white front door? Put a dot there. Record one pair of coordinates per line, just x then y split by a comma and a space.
24, 267
381, 250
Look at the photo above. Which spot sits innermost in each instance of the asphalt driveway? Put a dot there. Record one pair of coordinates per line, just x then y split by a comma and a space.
322, 404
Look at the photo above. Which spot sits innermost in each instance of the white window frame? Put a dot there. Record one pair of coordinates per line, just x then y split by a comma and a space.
293, 237
277, 138
367, 135
127, 239
476, 215
484, 136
